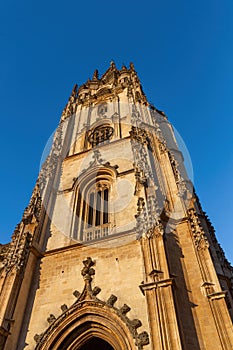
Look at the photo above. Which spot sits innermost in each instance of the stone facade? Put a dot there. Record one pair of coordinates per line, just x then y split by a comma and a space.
114, 244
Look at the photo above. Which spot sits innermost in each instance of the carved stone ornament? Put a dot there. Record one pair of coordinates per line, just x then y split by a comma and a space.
162, 147
50, 165
33, 209
88, 299
111, 300
174, 165
147, 213
143, 339
102, 109
200, 239
140, 180
140, 135
140, 205
156, 230
51, 318
101, 88
18, 250
64, 307
70, 108
3, 254
157, 118
97, 162
87, 270
181, 183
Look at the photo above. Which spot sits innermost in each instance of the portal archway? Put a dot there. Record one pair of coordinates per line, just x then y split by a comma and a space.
90, 320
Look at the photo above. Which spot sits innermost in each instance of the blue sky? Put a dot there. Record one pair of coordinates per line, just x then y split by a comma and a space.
183, 53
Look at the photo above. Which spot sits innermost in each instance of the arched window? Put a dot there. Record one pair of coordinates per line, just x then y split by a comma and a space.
93, 219
98, 205
96, 217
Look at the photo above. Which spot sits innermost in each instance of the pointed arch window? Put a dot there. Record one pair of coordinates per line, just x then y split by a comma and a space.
98, 206
92, 219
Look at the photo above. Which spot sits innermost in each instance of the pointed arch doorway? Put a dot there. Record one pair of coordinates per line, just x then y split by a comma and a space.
96, 343
91, 324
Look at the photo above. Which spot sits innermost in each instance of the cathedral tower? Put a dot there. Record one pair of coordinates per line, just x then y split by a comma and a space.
114, 251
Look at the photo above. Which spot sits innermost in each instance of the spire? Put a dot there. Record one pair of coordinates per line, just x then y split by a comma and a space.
74, 90
131, 66
70, 106
112, 64
73, 95
123, 67
95, 75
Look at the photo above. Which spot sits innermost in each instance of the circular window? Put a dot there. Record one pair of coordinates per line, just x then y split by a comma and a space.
100, 134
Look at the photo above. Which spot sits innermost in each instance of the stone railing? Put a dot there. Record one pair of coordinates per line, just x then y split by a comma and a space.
96, 232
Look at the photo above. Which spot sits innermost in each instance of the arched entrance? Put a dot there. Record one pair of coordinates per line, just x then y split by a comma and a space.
96, 343
86, 327
91, 323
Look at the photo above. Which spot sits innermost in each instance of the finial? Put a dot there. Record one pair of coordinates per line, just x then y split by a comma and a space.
74, 90
123, 67
87, 273
131, 66
87, 270
112, 64
95, 75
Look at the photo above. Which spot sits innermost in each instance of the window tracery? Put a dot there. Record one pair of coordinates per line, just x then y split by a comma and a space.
100, 135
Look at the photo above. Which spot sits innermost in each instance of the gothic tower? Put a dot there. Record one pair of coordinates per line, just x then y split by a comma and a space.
114, 251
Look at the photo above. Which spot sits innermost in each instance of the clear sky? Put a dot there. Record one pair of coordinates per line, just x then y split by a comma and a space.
183, 53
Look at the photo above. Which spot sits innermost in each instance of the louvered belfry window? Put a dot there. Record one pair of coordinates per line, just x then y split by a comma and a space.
98, 206
92, 212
